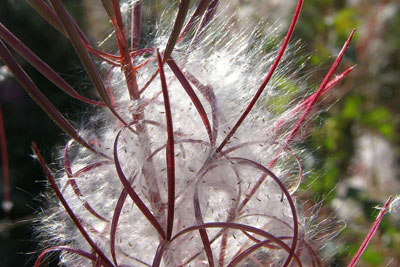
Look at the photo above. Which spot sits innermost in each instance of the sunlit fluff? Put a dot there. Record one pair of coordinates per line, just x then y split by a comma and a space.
187, 165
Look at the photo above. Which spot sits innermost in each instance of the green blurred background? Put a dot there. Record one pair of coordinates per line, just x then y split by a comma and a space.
354, 147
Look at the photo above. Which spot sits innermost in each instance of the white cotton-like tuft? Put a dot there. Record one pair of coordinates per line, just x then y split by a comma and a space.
225, 68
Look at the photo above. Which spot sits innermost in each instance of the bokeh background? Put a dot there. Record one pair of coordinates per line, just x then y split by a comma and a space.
354, 148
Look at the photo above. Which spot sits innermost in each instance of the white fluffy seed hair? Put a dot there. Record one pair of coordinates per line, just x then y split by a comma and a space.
233, 65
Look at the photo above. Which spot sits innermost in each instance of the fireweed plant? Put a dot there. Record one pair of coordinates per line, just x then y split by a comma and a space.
185, 160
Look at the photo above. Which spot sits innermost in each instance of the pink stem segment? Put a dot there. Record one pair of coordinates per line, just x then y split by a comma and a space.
371, 233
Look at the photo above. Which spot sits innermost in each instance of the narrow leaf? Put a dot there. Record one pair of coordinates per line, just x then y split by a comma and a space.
41, 66
76, 41
107, 5
114, 223
79, 45
51, 17
170, 154
176, 30
41, 99
201, 8
48, 14
189, 90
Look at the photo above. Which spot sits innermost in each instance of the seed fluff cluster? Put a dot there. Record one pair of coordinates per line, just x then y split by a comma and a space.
190, 158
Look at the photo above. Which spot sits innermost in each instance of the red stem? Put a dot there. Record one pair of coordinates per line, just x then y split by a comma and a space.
371, 233
5, 166
269, 75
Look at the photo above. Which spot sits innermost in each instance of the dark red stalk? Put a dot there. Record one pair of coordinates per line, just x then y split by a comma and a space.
140, 52
170, 154
130, 76
5, 166
195, 100
149, 82
126, 63
103, 55
117, 14
268, 77
370, 234
223, 246
131, 192
88, 168
67, 208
